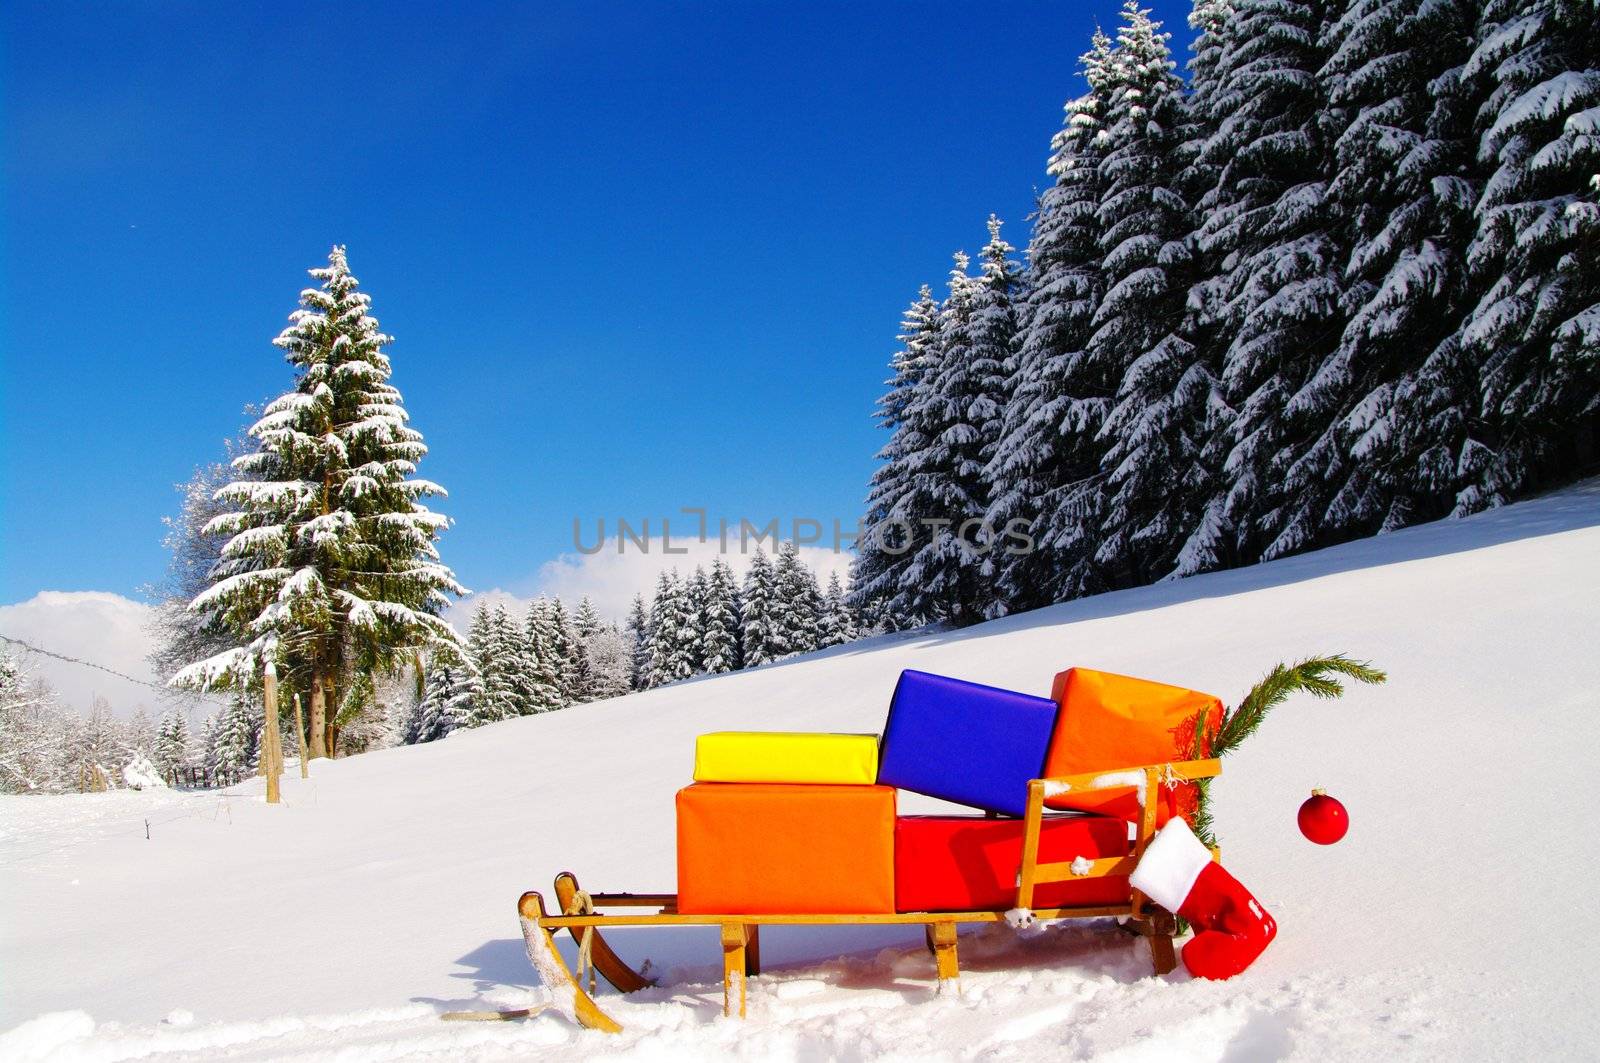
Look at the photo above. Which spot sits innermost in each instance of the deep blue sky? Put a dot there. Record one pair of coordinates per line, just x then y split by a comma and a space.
635, 257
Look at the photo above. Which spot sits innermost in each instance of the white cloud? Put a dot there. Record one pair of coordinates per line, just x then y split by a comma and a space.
114, 631
610, 579
97, 626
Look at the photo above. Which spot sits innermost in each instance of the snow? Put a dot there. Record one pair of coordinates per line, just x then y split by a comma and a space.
382, 892
140, 774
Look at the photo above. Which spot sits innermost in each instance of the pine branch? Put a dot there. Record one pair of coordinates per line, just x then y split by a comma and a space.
1314, 676
1317, 676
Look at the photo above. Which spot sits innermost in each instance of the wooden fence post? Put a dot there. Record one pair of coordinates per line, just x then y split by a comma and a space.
272, 740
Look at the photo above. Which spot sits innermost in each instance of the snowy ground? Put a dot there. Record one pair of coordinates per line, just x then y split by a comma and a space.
1447, 925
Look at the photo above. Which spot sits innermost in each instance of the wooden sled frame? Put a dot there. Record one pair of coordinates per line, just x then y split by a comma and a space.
579, 913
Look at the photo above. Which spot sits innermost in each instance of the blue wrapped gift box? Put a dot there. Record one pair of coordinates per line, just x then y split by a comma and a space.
965, 742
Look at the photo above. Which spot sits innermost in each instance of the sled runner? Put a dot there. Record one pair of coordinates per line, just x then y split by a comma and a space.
586, 915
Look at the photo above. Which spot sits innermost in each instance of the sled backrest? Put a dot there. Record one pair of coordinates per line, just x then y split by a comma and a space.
1145, 781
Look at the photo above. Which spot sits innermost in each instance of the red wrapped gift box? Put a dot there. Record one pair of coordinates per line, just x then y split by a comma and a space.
968, 863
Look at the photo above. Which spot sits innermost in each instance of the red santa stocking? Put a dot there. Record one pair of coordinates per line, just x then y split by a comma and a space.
1231, 927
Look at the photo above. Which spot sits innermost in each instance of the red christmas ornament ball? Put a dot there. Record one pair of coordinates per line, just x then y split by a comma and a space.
1323, 819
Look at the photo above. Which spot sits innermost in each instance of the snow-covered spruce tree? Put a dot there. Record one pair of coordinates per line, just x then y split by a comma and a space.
1275, 302
542, 671
796, 604
236, 739
638, 631
758, 636
993, 361
1208, 543
586, 619
883, 553
719, 641
696, 599
836, 624
1162, 393
448, 695
495, 648
610, 655
1044, 467
571, 667
1535, 332
172, 742
331, 566
946, 578
206, 741
1402, 194
672, 634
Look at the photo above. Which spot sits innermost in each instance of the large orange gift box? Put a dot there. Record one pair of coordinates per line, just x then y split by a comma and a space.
1108, 721
764, 848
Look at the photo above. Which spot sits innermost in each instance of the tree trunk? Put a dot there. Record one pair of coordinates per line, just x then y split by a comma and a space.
333, 720
300, 735
319, 719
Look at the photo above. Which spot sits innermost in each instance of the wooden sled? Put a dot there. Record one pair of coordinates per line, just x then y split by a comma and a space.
579, 912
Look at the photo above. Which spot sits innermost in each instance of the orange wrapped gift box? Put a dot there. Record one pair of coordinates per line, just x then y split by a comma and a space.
1108, 721
763, 848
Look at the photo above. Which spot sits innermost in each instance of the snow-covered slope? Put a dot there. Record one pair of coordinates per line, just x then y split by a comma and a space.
1448, 924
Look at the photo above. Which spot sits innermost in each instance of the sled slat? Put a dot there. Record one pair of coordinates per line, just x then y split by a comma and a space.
1101, 868
635, 900
776, 919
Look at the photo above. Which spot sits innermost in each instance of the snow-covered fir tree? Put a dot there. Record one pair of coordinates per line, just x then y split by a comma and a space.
696, 602
331, 566
206, 741
1276, 291
719, 636
449, 692
586, 619
672, 634
497, 651
836, 623
172, 741
543, 674
1344, 283
1402, 194
759, 638
1194, 486
992, 359
570, 664
883, 554
796, 604
638, 632
1534, 334
236, 738
945, 578
1138, 327
1043, 473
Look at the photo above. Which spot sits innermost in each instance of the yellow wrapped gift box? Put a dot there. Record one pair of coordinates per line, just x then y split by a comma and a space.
778, 756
